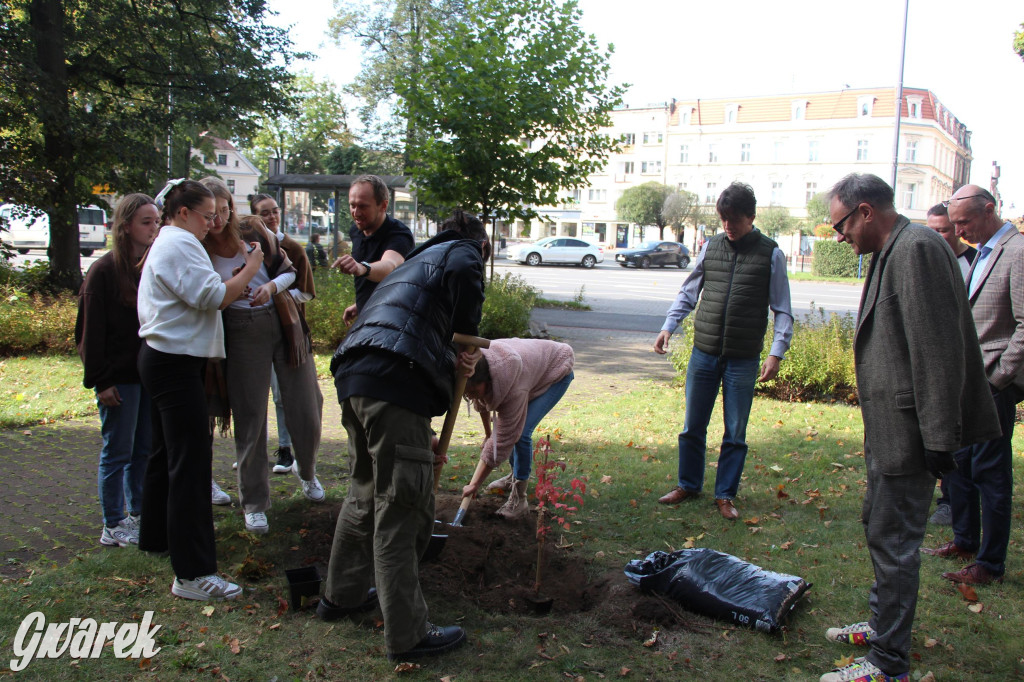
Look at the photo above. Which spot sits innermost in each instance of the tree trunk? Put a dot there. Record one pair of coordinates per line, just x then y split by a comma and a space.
47, 20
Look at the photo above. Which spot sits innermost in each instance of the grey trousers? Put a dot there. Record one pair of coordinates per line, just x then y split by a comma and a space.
254, 342
386, 520
894, 515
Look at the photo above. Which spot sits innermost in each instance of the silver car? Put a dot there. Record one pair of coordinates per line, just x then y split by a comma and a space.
566, 250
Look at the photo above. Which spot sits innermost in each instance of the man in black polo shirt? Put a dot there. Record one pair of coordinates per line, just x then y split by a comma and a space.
379, 242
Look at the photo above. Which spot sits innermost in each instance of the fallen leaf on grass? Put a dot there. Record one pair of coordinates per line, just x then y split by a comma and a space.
652, 640
235, 647
930, 642
976, 607
406, 667
786, 545
623, 672
606, 479
689, 544
755, 529
274, 626
776, 468
928, 677
752, 521
843, 661
208, 611
447, 678
780, 658
967, 591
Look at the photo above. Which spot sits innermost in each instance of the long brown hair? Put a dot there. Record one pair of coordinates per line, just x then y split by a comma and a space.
126, 268
220, 190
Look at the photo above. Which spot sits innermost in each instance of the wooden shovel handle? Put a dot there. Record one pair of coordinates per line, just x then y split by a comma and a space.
453, 412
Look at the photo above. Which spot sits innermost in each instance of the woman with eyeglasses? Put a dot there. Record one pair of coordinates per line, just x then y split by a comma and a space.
265, 206
257, 344
179, 303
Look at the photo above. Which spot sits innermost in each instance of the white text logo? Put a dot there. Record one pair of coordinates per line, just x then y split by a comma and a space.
81, 638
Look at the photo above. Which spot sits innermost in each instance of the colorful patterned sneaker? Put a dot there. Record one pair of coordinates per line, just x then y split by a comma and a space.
311, 489
218, 496
205, 588
862, 670
858, 634
121, 535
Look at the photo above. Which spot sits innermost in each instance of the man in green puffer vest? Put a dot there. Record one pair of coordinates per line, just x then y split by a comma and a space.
738, 276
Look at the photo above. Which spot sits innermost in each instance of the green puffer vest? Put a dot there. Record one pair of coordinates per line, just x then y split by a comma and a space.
733, 313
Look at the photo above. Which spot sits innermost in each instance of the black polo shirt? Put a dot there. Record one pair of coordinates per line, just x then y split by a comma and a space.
392, 235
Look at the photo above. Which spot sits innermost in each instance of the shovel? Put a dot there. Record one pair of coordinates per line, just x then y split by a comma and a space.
480, 466
437, 540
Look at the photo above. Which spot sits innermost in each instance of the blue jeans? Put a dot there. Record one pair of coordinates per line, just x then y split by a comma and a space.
522, 454
284, 439
704, 374
127, 440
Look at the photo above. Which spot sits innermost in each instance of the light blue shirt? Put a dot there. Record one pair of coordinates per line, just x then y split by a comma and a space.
778, 300
984, 250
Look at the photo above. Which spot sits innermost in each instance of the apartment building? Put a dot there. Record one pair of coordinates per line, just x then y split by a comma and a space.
787, 147
238, 172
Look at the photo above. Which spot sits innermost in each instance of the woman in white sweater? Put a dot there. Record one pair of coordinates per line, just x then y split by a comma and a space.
179, 302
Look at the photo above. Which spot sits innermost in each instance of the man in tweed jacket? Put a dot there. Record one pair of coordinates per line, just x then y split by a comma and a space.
984, 473
923, 395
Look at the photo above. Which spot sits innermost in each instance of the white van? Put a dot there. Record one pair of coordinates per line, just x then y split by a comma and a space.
29, 228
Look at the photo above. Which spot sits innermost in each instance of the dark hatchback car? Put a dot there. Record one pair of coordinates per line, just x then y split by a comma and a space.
654, 253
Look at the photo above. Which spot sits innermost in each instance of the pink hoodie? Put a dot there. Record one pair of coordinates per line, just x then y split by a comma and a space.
521, 370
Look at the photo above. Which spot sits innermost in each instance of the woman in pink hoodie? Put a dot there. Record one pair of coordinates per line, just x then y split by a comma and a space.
520, 380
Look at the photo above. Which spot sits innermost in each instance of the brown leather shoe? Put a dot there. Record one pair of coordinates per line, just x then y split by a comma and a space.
677, 495
949, 551
973, 575
727, 509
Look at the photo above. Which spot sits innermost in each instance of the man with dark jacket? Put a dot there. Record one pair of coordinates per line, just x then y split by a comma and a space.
923, 395
393, 372
738, 276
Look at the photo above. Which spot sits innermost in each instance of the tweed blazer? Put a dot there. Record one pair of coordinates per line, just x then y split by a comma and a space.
998, 308
919, 370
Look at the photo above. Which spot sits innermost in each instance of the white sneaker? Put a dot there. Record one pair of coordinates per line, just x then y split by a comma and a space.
234, 466
218, 496
311, 489
256, 522
205, 588
133, 522
121, 535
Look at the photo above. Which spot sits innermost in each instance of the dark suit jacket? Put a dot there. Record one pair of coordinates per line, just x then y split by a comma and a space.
919, 370
998, 307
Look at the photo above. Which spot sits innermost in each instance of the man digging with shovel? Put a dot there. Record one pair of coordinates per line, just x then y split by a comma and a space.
393, 373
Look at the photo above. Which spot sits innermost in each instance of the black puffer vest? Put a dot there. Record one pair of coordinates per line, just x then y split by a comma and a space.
733, 313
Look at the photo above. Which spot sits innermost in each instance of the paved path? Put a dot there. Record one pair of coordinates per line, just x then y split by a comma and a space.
50, 509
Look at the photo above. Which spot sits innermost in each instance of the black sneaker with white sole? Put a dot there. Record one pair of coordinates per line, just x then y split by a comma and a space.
284, 461
438, 640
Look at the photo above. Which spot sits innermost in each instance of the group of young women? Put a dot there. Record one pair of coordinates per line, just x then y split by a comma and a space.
176, 327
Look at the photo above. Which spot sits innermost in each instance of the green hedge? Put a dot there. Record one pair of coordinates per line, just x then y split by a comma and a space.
335, 291
507, 307
818, 364
833, 259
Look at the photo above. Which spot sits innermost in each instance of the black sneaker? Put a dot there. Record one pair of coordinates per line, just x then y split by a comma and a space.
284, 461
438, 641
325, 610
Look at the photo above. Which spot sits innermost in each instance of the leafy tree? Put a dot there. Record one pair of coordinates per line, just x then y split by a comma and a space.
90, 91
394, 35
303, 141
681, 208
1018, 42
507, 108
352, 159
817, 210
775, 220
645, 205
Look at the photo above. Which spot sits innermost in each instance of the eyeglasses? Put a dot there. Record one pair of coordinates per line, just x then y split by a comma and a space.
973, 196
838, 227
211, 217
224, 213
266, 213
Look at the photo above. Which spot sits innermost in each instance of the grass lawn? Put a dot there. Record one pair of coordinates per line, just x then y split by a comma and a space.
799, 503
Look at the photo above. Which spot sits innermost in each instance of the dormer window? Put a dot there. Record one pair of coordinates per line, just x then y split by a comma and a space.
864, 106
798, 109
914, 107
732, 113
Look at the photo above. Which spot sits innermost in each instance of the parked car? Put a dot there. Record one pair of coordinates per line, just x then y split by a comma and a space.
29, 228
654, 253
557, 250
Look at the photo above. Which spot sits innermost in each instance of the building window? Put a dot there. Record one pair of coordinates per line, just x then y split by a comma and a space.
236, 163
222, 159
915, 110
745, 151
862, 150
911, 153
798, 109
812, 189
681, 186
865, 105
577, 196
629, 138
686, 117
650, 166
777, 152
776, 193
627, 168
684, 153
909, 192
597, 195
231, 185
812, 151
732, 113
712, 154
652, 138
711, 195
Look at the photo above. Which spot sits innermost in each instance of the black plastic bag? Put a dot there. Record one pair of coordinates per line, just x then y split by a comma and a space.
719, 585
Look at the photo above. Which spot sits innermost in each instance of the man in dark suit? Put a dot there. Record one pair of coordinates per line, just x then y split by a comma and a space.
985, 470
923, 395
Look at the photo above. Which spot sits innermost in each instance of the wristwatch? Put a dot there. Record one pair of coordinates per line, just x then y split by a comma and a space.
367, 266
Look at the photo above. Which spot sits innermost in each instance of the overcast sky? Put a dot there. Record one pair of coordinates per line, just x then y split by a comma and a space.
679, 48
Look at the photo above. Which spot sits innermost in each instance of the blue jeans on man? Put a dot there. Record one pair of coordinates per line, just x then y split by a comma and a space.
522, 454
127, 440
705, 373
